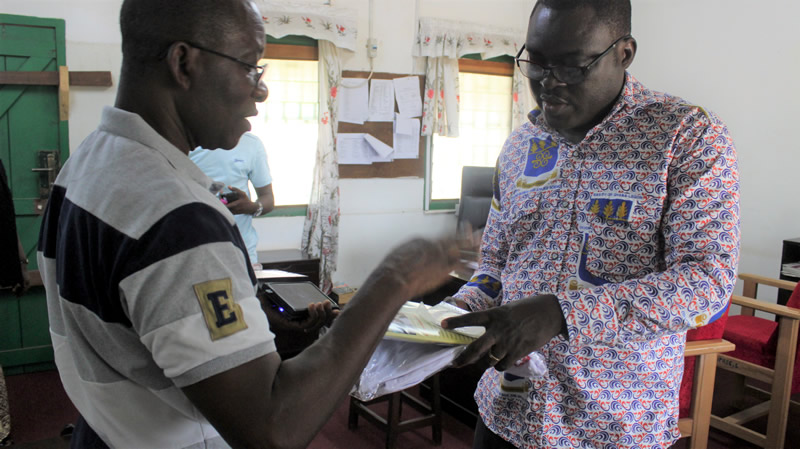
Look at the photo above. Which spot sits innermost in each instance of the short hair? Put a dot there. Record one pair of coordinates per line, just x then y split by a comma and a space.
615, 13
148, 27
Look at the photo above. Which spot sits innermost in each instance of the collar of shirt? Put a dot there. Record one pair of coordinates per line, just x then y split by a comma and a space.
132, 126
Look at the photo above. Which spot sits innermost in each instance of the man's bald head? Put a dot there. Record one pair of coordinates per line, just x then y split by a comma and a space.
149, 26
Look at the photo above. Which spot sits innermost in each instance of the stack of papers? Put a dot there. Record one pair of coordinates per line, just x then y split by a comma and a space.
415, 348
791, 269
418, 322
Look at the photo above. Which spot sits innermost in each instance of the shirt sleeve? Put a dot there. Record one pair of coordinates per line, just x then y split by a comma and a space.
192, 300
259, 174
700, 232
484, 289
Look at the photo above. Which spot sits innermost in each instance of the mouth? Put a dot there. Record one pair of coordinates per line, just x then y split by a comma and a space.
552, 104
553, 99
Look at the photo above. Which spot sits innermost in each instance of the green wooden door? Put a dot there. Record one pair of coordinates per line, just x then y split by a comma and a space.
29, 124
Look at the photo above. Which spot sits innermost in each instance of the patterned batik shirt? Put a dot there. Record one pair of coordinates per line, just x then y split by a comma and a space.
636, 231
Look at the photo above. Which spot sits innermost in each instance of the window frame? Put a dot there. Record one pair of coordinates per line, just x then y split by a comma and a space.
294, 48
472, 63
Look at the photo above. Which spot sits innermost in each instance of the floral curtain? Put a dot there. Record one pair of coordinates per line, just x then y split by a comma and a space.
440, 105
321, 226
336, 25
335, 29
522, 99
439, 37
442, 42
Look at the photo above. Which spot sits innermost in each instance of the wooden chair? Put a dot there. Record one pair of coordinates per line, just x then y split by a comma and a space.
697, 387
766, 351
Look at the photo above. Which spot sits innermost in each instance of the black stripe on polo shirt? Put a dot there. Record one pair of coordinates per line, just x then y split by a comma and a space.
49, 230
93, 257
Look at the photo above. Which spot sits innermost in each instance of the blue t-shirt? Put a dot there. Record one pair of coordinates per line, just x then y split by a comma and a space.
247, 161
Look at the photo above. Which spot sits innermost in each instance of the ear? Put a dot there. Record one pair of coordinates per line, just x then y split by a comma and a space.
628, 52
182, 63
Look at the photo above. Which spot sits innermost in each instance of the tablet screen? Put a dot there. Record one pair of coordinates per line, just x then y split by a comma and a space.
298, 294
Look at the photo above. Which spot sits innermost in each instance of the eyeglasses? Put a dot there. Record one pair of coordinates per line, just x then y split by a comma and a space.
565, 74
255, 71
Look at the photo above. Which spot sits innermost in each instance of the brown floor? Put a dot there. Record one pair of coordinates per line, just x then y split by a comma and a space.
45, 415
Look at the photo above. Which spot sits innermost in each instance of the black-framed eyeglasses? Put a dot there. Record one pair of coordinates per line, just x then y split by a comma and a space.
565, 74
255, 71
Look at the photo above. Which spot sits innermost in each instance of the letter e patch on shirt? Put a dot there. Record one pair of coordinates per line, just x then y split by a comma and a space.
223, 316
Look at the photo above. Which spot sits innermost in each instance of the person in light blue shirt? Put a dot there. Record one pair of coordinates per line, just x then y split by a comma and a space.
246, 162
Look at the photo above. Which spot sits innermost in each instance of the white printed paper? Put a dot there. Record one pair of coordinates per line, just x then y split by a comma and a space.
404, 125
381, 101
407, 94
383, 151
406, 146
353, 149
353, 100
362, 149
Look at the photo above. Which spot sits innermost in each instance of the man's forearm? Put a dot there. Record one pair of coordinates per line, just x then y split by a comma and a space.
342, 352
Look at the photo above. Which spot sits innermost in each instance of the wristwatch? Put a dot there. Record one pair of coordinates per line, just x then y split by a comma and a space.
259, 210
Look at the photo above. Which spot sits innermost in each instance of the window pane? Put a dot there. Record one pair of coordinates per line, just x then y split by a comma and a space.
484, 125
287, 124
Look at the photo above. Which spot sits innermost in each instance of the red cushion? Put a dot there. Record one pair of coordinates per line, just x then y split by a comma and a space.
710, 331
755, 338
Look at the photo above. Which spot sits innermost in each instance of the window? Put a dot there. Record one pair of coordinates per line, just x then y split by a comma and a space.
287, 122
484, 124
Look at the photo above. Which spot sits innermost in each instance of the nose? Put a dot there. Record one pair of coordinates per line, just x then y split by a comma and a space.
549, 81
261, 91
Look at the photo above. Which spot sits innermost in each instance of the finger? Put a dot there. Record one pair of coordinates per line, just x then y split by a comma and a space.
468, 319
332, 316
474, 352
497, 358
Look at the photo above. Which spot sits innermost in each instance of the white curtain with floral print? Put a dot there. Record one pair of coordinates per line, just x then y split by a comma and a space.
335, 29
337, 25
440, 105
321, 227
522, 99
443, 42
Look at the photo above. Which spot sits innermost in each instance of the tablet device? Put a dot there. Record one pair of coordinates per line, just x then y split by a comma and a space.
292, 299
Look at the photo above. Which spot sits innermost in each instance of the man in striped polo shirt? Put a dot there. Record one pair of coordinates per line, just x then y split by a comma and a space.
159, 338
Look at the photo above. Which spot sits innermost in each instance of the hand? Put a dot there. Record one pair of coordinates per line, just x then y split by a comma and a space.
319, 314
20, 289
242, 205
422, 265
461, 304
513, 330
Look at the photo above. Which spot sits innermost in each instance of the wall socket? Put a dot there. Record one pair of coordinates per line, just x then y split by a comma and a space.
372, 47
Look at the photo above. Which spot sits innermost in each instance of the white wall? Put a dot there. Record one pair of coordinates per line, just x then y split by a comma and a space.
741, 60
735, 57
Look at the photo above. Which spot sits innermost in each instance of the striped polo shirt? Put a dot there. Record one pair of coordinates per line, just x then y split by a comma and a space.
148, 286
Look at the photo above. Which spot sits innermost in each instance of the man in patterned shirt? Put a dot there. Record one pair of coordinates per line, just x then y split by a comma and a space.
614, 229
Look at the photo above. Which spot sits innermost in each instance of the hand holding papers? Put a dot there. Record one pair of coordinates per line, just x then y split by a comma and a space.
419, 322
416, 347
